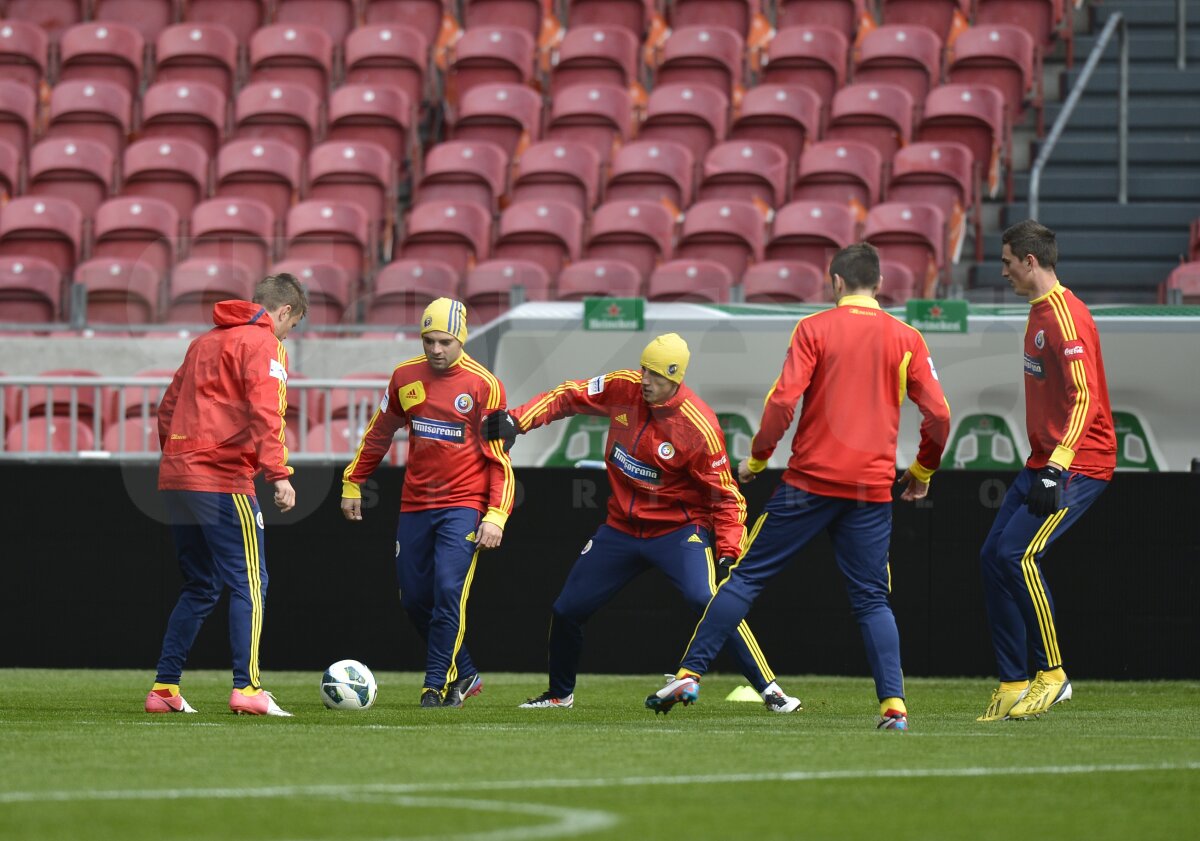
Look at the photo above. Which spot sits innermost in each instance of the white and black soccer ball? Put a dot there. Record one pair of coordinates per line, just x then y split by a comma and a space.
348, 685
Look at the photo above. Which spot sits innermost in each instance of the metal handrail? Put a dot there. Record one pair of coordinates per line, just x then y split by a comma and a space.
1116, 23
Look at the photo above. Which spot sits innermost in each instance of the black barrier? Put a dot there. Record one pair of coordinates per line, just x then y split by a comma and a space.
90, 578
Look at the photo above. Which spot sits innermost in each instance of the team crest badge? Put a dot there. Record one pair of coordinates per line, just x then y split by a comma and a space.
1040, 339
666, 450
672, 369
464, 403
428, 321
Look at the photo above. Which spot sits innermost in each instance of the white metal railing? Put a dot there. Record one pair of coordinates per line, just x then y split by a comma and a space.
83, 417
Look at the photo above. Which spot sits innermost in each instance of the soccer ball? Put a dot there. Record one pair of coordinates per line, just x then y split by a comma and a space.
348, 685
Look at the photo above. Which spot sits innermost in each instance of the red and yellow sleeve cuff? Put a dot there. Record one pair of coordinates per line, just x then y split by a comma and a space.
919, 472
350, 490
1063, 456
756, 465
496, 517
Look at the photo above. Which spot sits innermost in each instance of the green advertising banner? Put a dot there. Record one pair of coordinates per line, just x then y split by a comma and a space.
614, 313
583, 440
738, 434
937, 316
1133, 444
983, 442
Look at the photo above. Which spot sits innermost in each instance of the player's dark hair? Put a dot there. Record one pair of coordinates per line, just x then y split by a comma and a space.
277, 290
1030, 237
857, 264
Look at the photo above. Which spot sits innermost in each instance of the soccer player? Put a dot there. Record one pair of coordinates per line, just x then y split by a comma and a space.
458, 491
672, 494
852, 365
1073, 452
221, 422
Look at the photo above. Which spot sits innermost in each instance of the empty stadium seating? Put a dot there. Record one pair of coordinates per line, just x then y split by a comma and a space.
565, 171
172, 169
30, 290
200, 52
138, 229
785, 282
640, 233
23, 55
78, 170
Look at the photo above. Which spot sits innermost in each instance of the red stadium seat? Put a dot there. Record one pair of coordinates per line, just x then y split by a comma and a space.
1184, 281
333, 231
656, 170
940, 174
280, 111
199, 52
945, 18
458, 233
331, 290
464, 170
973, 115
30, 289
912, 234
119, 291
403, 289
694, 116
23, 56
1043, 19
425, 16
746, 170
135, 401
18, 114
598, 278
295, 53
785, 282
899, 284
80, 171
375, 113
737, 15
598, 116
110, 52
909, 55
811, 232
55, 401
56, 435
548, 233
490, 287
198, 283
360, 173
814, 56
697, 280
632, 15
522, 14
188, 110
335, 17
596, 55
234, 230
1002, 55
489, 55
845, 171
787, 115
341, 403
10, 171
558, 171
137, 229
263, 169
91, 110
53, 16
148, 17
131, 435
48, 228
878, 113
242, 17
388, 54
341, 438
641, 233
846, 16
728, 232
508, 115
703, 55
171, 169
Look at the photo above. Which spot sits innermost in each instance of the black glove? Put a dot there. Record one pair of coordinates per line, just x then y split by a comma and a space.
726, 562
500, 426
1045, 494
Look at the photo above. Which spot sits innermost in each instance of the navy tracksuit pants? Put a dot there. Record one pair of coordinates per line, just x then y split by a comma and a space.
861, 533
609, 561
219, 542
1020, 610
435, 563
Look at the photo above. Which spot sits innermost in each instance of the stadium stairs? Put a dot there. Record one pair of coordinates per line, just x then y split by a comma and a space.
1108, 251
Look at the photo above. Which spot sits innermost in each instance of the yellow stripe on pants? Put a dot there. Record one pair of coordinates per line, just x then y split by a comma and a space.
1037, 593
253, 579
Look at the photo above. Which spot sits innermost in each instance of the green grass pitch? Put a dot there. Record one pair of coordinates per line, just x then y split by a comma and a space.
80, 760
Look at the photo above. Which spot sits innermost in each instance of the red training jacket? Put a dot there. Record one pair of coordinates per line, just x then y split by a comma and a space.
853, 364
449, 464
666, 463
221, 419
1067, 414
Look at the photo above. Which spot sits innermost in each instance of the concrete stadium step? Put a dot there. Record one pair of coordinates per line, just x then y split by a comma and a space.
1144, 149
1062, 216
1154, 246
1169, 113
1064, 183
1093, 280
1140, 14
1144, 45
1144, 80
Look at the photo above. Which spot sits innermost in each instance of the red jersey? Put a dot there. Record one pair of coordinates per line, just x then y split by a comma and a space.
221, 419
449, 464
1067, 414
666, 463
853, 365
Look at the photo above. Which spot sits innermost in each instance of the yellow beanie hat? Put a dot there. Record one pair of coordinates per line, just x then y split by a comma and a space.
447, 316
668, 356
